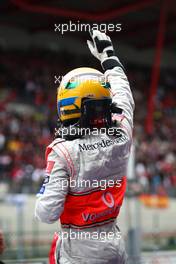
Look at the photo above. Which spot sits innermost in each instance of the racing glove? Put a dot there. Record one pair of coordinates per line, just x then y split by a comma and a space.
101, 48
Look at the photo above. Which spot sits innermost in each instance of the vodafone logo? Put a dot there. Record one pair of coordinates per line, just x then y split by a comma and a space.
108, 199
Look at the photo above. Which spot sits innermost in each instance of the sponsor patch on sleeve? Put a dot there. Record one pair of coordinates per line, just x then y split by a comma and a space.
42, 189
46, 179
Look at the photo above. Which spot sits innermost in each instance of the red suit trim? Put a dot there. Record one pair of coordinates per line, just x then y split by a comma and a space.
89, 208
52, 256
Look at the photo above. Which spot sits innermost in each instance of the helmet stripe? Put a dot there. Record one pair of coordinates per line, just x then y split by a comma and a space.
67, 101
71, 85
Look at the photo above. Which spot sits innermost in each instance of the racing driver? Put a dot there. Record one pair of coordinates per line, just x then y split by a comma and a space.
92, 144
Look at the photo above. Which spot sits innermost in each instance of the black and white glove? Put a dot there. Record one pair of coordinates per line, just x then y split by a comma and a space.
101, 48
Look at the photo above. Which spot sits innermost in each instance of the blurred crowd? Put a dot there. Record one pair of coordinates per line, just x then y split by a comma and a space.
28, 119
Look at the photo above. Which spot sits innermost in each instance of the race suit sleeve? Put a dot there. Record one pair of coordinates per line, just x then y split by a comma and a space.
122, 98
51, 198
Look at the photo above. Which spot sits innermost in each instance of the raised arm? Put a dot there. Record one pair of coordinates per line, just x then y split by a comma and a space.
123, 104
